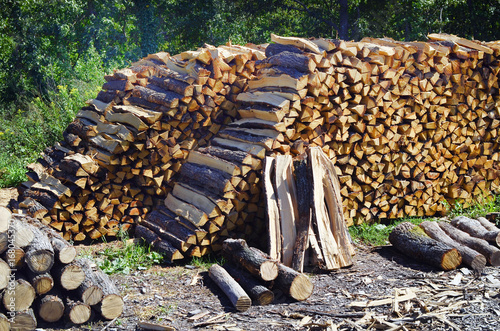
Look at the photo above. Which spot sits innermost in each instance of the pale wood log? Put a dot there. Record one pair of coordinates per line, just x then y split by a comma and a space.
413, 242
230, 287
4, 274
237, 250
14, 256
112, 303
50, 308
77, 311
20, 296
42, 283
491, 253
487, 224
5, 215
70, 276
476, 229
39, 254
4, 323
186, 210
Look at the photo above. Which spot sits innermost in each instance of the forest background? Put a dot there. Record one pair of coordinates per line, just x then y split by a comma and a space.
54, 53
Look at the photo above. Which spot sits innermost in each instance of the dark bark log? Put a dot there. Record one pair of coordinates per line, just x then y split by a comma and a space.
273, 49
159, 244
118, 85
51, 308
164, 234
157, 95
136, 101
21, 295
169, 223
491, 253
303, 182
240, 300
237, 250
77, 311
294, 284
260, 294
77, 127
107, 96
476, 229
173, 85
470, 257
39, 254
198, 175
24, 320
413, 242
47, 199
238, 157
289, 60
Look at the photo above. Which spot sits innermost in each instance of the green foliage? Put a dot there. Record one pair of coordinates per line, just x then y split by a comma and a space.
206, 261
377, 234
480, 207
128, 257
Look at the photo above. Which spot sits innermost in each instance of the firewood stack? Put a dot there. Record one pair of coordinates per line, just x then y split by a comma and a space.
473, 242
408, 126
121, 152
42, 278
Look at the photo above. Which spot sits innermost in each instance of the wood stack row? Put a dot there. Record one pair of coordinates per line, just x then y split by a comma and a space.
123, 149
473, 242
42, 278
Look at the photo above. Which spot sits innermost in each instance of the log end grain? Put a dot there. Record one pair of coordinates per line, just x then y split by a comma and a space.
265, 298
72, 277
112, 306
269, 270
67, 254
51, 308
92, 295
301, 288
451, 259
79, 313
24, 320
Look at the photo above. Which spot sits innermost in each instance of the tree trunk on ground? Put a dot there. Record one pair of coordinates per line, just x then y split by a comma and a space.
413, 242
230, 287
258, 292
294, 284
476, 229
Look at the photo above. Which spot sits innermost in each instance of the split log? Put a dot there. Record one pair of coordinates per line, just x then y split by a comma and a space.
476, 229
51, 308
237, 250
470, 257
413, 242
39, 254
77, 311
491, 253
273, 216
294, 284
230, 287
260, 294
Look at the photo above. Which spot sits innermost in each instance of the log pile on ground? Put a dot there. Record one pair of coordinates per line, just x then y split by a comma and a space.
447, 245
250, 275
180, 140
42, 278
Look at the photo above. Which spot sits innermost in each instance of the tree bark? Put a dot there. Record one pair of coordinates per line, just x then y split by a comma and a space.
476, 229
294, 284
258, 292
238, 297
39, 254
413, 242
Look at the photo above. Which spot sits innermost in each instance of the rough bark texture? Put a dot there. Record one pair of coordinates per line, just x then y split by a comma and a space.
260, 294
238, 251
476, 229
294, 284
238, 297
39, 254
408, 239
470, 257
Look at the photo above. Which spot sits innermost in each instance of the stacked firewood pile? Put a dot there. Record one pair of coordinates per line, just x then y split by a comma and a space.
473, 242
407, 125
42, 278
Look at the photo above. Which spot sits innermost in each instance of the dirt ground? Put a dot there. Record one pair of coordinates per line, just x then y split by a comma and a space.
417, 297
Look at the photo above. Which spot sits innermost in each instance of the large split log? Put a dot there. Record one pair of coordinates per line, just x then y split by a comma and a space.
238, 297
491, 253
258, 292
476, 229
237, 250
413, 242
470, 257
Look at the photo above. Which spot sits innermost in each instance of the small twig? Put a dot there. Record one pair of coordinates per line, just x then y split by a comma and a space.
111, 322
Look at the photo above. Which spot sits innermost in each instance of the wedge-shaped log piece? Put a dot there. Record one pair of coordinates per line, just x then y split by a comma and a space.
460, 41
476, 229
298, 42
213, 162
126, 118
118, 130
237, 250
273, 213
491, 253
266, 113
146, 115
470, 257
164, 234
155, 94
252, 137
186, 210
238, 297
170, 222
84, 161
197, 199
255, 150
113, 146
412, 241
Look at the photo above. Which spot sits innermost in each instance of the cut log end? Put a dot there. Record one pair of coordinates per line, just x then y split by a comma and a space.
80, 314
92, 296
478, 263
301, 288
268, 271
112, 306
67, 254
451, 259
243, 303
51, 308
495, 259
72, 277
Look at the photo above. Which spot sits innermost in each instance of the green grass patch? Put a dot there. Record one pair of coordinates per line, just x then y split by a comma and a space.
127, 257
480, 207
206, 261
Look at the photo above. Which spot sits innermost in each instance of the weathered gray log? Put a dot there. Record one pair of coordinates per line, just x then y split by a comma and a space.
163, 233
476, 229
238, 297
412, 241
491, 253
487, 224
214, 179
260, 294
237, 250
39, 254
274, 48
89, 291
50, 308
288, 59
238, 157
470, 257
